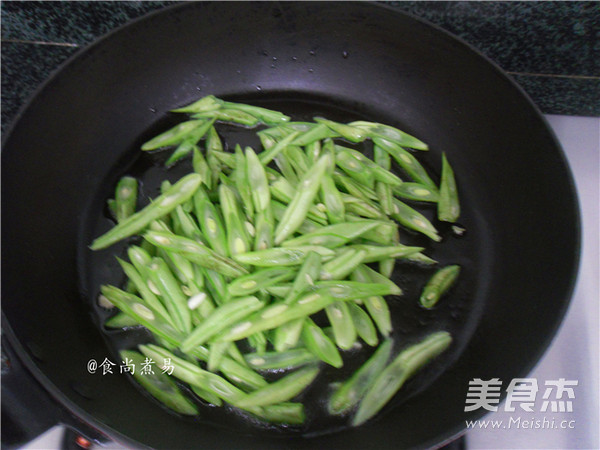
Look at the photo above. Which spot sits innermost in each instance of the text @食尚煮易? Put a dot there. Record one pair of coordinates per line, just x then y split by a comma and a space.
147, 367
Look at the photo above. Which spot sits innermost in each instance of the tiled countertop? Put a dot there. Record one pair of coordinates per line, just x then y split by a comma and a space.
552, 49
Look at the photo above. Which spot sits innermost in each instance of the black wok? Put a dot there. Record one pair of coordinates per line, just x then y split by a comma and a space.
343, 60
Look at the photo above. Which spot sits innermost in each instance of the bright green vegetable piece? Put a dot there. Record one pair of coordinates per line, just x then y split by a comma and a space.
201, 167
282, 256
353, 134
448, 205
179, 193
210, 222
407, 161
343, 264
195, 252
352, 390
238, 240
173, 136
305, 194
414, 220
257, 180
229, 115
438, 285
374, 253
375, 304
333, 236
121, 320
353, 167
281, 390
125, 198
208, 103
314, 135
418, 192
319, 344
261, 279
221, 318
267, 116
342, 324
332, 199
378, 130
391, 379
159, 385
363, 324
268, 155
280, 360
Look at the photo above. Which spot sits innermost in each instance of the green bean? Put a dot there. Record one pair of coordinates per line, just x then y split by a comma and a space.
374, 253
348, 290
314, 135
375, 304
210, 222
284, 360
195, 252
215, 356
201, 302
378, 130
286, 168
173, 136
194, 375
261, 279
277, 314
418, 192
240, 177
352, 390
333, 236
213, 144
287, 413
189, 227
286, 336
341, 322
228, 115
379, 173
282, 190
221, 318
407, 161
201, 167
264, 229
159, 385
161, 206
320, 345
307, 226
209, 397
282, 256
170, 291
215, 282
353, 134
386, 233
448, 205
354, 188
258, 341
147, 295
227, 159
134, 307
313, 150
363, 324
268, 155
386, 267
305, 194
208, 103
391, 379
281, 390
414, 220
353, 167
125, 198
441, 281
362, 207
121, 320
332, 200
265, 115
384, 190
257, 179
343, 264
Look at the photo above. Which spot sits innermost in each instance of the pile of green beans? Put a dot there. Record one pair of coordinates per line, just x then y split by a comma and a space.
276, 260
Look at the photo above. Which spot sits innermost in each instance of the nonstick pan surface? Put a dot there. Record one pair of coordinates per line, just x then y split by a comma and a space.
346, 61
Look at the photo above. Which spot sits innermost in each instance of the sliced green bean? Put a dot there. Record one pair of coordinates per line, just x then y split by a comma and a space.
161, 206
353, 167
158, 384
121, 320
195, 252
125, 198
213, 143
333, 236
229, 115
448, 205
332, 200
282, 256
319, 344
210, 222
134, 307
441, 281
375, 304
398, 137
353, 134
350, 393
173, 136
407, 161
305, 194
391, 379
342, 324
207, 103
261, 279
209, 397
414, 220
265, 225
221, 318
268, 155
170, 290
343, 264
374, 253
201, 167
267, 116
363, 324
257, 179
417, 191
284, 360
315, 134
281, 390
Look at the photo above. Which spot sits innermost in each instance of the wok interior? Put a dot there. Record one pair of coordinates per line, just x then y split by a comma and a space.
84, 130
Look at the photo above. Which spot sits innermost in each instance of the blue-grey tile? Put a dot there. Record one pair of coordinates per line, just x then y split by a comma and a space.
69, 21
536, 37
